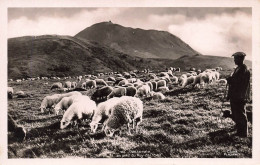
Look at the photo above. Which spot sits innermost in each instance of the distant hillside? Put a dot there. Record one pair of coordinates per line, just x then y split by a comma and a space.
64, 55
137, 42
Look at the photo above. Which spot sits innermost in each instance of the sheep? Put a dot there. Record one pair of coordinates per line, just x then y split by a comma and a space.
102, 93
10, 92
150, 85
128, 110
117, 92
123, 82
163, 89
111, 79
161, 83
144, 90
187, 81
67, 84
132, 80
101, 82
174, 79
50, 101
102, 112
74, 93
91, 84
78, 110
222, 81
19, 131
131, 91
57, 85
157, 95
154, 83
65, 103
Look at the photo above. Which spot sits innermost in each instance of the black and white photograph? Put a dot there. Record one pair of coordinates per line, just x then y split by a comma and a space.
139, 81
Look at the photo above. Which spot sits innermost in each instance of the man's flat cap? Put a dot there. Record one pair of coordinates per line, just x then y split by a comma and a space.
239, 54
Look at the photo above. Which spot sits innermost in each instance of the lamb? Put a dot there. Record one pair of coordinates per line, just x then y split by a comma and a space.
101, 82
102, 93
19, 131
10, 92
102, 112
128, 110
117, 92
91, 84
57, 85
78, 110
157, 95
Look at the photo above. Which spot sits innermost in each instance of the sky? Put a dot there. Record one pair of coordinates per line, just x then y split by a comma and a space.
219, 31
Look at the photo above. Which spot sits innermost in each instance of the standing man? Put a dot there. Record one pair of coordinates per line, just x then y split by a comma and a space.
238, 93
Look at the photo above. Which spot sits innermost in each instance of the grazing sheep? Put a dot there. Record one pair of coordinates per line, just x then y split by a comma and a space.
91, 84
101, 82
128, 110
163, 89
186, 80
117, 92
131, 91
157, 95
50, 101
150, 85
144, 90
57, 85
102, 93
78, 110
154, 83
65, 103
161, 83
174, 79
10, 92
19, 131
102, 112
74, 93
67, 84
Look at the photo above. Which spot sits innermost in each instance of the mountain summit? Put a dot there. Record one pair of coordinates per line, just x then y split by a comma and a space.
137, 42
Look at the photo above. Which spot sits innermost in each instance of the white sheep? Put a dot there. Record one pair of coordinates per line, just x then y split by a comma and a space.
128, 110
144, 90
163, 89
91, 84
101, 82
157, 95
65, 103
67, 84
50, 101
117, 92
57, 85
102, 112
73, 84
161, 83
79, 109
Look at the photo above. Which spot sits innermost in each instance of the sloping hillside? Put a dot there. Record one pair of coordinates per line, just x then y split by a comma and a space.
64, 55
137, 42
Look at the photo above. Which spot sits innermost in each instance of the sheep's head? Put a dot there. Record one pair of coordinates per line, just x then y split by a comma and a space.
64, 124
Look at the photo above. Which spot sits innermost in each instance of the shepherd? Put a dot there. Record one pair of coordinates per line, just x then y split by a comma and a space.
239, 94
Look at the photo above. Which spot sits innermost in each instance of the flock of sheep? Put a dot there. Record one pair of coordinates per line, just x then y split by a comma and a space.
117, 99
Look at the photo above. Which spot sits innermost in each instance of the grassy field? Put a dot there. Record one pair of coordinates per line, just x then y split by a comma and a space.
186, 124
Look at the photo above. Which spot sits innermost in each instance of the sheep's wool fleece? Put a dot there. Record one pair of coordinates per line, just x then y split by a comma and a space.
127, 107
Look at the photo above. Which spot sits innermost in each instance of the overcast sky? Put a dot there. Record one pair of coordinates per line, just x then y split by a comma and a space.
211, 31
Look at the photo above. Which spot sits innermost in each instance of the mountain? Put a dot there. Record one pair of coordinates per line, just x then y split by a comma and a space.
64, 55
137, 42
53, 55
